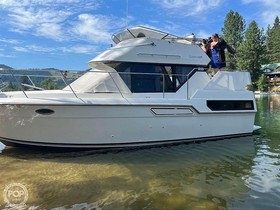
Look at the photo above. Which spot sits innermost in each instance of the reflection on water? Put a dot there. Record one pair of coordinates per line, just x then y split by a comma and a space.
197, 176
1, 147
240, 173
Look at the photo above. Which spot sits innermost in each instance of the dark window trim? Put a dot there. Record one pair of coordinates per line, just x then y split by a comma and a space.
230, 105
164, 72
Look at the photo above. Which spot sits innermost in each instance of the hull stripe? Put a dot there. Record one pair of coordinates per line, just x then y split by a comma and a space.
15, 142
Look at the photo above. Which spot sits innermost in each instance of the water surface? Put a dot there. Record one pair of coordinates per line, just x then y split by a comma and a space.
238, 173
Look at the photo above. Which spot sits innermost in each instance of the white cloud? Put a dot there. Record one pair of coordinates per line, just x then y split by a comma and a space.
79, 49
172, 28
21, 49
85, 49
188, 7
33, 48
270, 15
38, 48
52, 18
51, 30
267, 2
42, 22
9, 41
25, 3
94, 28
6, 56
203, 34
270, 9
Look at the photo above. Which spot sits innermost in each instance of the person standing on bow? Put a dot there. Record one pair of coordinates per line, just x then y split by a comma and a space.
218, 46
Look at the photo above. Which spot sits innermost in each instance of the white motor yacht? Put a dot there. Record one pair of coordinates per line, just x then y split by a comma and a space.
150, 88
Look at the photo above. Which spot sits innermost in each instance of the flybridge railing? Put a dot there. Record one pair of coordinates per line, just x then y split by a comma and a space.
32, 79
165, 83
3, 85
125, 83
100, 81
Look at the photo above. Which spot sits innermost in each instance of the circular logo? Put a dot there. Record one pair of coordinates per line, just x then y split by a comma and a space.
15, 195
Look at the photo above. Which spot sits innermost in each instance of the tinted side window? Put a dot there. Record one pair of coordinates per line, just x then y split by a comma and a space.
225, 105
143, 77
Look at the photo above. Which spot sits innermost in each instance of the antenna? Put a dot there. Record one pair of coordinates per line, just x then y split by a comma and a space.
126, 13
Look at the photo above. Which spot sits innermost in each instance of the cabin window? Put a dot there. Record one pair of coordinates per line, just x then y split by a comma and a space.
99, 81
180, 74
227, 105
143, 77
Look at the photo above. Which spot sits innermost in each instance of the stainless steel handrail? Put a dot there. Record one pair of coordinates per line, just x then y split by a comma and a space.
18, 83
62, 77
29, 76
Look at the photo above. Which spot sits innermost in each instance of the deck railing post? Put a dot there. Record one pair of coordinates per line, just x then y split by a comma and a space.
115, 84
163, 85
19, 83
63, 79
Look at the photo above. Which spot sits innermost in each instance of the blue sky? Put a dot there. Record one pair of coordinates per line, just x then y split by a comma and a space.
66, 34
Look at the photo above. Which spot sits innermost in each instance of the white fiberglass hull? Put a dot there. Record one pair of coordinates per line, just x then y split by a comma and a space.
99, 126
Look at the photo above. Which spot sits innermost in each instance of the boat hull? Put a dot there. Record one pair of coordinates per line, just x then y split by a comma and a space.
105, 126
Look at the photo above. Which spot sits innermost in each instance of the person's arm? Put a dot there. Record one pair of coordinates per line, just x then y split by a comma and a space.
213, 44
203, 48
221, 44
230, 49
224, 45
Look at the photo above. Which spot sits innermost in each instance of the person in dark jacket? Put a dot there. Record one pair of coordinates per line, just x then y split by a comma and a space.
205, 46
218, 46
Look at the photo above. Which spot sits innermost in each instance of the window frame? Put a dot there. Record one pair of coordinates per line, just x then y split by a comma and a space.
171, 77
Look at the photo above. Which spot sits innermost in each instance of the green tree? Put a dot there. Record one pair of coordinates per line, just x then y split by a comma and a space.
11, 87
273, 42
49, 84
24, 80
233, 32
262, 83
268, 42
251, 52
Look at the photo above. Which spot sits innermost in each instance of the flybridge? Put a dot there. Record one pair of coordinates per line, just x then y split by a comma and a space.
145, 45
141, 31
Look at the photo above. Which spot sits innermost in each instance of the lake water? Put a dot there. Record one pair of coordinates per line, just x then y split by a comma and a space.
239, 173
